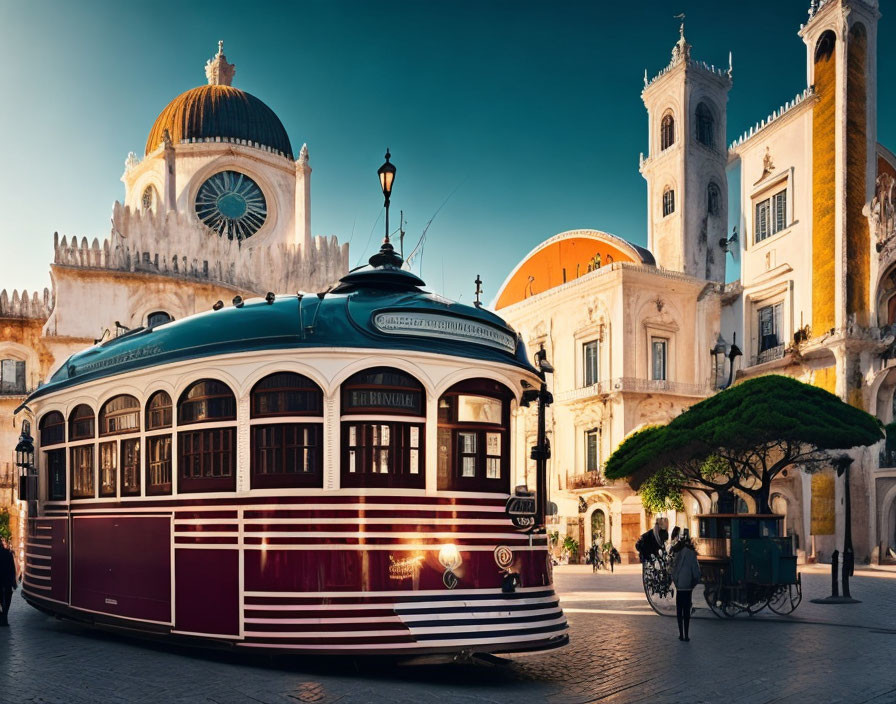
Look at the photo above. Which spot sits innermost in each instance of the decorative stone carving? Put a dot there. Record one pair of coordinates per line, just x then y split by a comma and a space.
767, 165
217, 70
131, 162
303, 155
881, 214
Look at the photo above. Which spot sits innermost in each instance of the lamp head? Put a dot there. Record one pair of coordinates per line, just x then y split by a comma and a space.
387, 176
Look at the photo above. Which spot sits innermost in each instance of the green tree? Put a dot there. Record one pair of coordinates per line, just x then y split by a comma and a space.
5, 530
741, 438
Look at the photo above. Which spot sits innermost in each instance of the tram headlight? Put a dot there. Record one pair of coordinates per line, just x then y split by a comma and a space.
449, 556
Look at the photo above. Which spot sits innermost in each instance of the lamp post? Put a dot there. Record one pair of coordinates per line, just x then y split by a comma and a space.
25, 461
718, 354
387, 177
541, 452
733, 354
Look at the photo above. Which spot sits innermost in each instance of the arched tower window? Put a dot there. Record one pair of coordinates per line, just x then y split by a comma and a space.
713, 199
668, 201
148, 199
705, 125
667, 131
158, 317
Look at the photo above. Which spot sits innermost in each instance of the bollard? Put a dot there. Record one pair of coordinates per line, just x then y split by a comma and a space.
835, 587
848, 565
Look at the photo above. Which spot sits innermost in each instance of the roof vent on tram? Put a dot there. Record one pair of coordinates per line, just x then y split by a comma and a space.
383, 271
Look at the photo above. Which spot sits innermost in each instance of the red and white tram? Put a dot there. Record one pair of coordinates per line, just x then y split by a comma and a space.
325, 473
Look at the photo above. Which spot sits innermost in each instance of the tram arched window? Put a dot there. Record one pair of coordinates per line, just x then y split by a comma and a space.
285, 454
52, 432
383, 446
120, 414
158, 445
474, 423
206, 456
52, 429
81, 426
81, 423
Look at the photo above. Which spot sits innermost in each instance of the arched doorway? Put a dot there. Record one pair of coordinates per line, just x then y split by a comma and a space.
599, 526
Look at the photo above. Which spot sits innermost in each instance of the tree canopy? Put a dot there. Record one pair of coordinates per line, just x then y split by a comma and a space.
742, 438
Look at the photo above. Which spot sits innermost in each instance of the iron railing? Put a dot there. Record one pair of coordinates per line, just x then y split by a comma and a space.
769, 355
634, 385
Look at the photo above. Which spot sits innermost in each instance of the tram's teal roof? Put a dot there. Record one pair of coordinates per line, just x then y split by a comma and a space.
380, 306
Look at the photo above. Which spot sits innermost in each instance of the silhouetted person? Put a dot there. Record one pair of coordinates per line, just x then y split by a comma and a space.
654, 540
686, 576
8, 581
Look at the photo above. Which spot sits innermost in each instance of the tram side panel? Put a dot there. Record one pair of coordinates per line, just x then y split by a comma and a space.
46, 559
207, 591
121, 566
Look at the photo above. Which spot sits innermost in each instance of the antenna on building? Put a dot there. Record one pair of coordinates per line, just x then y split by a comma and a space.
401, 234
478, 282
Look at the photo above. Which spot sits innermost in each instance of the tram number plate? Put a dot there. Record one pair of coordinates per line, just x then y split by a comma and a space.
521, 510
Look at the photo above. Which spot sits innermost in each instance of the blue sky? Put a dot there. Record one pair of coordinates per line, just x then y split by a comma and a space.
525, 116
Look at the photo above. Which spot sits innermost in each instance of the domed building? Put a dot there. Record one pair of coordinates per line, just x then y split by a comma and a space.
219, 206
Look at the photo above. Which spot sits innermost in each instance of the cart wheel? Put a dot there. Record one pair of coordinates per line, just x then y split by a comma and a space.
660, 596
756, 607
787, 598
712, 594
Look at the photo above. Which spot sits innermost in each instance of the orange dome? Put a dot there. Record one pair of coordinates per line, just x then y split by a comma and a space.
211, 111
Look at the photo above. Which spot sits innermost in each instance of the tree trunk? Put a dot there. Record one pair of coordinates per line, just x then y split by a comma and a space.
762, 496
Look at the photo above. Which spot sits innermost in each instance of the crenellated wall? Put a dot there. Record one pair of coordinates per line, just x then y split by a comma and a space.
175, 244
21, 305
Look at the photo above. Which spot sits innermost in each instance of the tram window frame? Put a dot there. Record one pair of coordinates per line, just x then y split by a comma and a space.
159, 415
457, 456
129, 467
107, 462
113, 413
52, 433
57, 484
164, 465
81, 471
218, 403
209, 456
295, 449
365, 423
79, 421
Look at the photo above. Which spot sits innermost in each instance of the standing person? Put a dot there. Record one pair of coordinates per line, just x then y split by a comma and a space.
686, 576
653, 541
615, 557
8, 581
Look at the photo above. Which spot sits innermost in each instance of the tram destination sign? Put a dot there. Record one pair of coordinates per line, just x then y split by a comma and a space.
445, 327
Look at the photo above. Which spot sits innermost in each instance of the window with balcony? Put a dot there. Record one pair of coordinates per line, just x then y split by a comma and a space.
770, 332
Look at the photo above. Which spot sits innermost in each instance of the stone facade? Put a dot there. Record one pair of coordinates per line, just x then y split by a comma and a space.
816, 239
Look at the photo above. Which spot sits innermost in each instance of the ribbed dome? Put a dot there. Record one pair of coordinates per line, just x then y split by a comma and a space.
223, 111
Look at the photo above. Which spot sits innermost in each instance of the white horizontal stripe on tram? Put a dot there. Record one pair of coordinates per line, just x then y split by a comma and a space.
396, 593
37, 557
38, 567
404, 547
441, 535
44, 598
229, 636
309, 506
398, 607
386, 520
37, 545
467, 615
207, 534
39, 586
37, 576
115, 615
325, 621
341, 635
409, 619
486, 627
422, 645
45, 527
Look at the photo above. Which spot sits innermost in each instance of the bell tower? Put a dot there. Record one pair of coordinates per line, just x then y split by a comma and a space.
687, 187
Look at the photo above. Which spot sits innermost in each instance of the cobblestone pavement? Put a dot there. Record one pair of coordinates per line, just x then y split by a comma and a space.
620, 652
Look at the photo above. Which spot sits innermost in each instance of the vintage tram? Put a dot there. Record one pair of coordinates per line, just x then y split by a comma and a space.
323, 473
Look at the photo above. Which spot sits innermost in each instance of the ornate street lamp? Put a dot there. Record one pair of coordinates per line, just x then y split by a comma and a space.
387, 177
541, 452
718, 355
25, 460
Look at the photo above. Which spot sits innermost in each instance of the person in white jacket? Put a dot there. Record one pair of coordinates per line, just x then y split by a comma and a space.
686, 576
